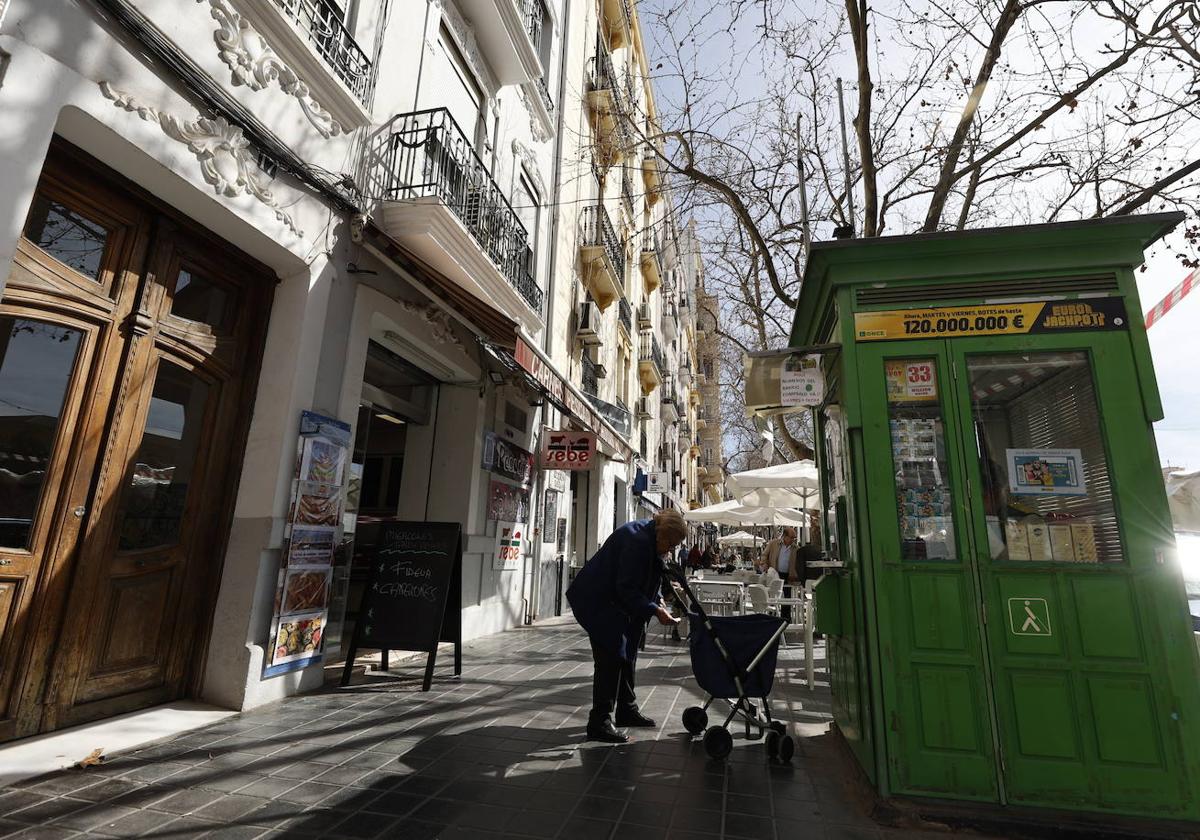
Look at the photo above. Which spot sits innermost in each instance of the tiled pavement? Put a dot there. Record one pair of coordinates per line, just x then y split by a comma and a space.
497, 753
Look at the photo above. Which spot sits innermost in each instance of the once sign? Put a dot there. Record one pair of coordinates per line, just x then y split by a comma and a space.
1029, 617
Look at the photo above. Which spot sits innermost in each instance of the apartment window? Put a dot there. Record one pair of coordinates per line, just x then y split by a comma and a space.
528, 205
451, 85
708, 367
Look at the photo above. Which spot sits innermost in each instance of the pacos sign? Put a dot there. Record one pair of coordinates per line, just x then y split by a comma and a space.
568, 450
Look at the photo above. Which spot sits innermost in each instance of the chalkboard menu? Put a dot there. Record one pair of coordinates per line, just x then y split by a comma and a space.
413, 595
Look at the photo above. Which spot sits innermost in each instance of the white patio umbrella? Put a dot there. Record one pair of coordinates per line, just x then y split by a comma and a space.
735, 513
740, 539
794, 485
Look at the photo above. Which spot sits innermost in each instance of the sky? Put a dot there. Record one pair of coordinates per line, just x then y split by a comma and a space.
1171, 342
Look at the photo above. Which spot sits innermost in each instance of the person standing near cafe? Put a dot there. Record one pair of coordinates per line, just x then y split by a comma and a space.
783, 556
612, 597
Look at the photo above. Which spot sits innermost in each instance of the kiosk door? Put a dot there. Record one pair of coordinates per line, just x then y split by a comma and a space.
1026, 582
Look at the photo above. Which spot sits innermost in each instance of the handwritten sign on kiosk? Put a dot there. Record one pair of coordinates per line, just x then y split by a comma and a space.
412, 596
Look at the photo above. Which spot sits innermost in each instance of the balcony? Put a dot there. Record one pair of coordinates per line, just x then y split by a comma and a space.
694, 398
710, 472
650, 362
602, 255
617, 20
587, 375
670, 323
701, 418
685, 429
441, 204
671, 408
507, 36
652, 175
607, 108
651, 262
694, 450
625, 318
627, 192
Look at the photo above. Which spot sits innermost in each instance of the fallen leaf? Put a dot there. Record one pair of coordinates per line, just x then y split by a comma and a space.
95, 757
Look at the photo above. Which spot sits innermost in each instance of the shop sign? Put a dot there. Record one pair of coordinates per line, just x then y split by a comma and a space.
993, 319
509, 537
507, 502
658, 482
505, 458
568, 450
801, 382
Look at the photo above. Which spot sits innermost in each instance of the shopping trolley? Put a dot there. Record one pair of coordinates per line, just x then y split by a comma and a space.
733, 659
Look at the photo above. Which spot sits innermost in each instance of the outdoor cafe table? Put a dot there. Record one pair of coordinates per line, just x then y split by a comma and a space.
736, 595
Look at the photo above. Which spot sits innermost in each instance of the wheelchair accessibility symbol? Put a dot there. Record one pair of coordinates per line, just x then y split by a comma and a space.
1029, 617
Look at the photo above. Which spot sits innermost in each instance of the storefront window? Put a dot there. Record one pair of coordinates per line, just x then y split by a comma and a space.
922, 474
1047, 495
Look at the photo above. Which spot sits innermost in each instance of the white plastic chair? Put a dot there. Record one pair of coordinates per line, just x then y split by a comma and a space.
759, 601
775, 588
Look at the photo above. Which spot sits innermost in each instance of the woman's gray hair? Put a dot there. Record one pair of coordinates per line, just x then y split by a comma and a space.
670, 524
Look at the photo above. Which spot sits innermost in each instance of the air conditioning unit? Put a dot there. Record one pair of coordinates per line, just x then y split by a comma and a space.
588, 329
645, 318
644, 405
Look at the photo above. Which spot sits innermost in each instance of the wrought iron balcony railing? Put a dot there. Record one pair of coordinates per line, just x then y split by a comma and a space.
625, 314
597, 229
322, 24
627, 191
533, 14
650, 351
602, 76
429, 156
587, 377
544, 90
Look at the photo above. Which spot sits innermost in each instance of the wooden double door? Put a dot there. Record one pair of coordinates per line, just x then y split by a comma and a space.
130, 342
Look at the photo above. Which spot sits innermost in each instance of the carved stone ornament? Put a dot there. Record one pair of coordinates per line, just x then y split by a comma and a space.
226, 159
531, 164
540, 135
437, 320
254, 64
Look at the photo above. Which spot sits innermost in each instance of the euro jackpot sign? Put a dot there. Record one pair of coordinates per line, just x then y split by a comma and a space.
993, 319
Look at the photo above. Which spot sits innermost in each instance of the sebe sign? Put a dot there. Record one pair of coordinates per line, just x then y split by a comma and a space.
568, 450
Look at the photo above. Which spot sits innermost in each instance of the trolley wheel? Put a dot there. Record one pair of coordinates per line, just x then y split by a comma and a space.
695, 720
787, 748
718, 743
779, 726
773, 743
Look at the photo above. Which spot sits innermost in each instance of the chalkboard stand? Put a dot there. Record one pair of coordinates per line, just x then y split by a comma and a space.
450, 626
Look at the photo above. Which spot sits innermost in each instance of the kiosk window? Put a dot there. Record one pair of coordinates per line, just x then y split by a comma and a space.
923, 500
1046, 493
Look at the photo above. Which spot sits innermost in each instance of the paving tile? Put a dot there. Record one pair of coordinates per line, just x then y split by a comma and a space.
49, 810
230, 808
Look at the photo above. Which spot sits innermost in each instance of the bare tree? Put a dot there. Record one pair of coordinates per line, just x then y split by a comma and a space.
964, 113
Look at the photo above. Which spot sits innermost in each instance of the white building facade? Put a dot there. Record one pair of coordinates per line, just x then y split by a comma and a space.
221, 214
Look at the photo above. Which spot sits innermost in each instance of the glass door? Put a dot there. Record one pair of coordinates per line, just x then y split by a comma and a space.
1061, 464
940, 738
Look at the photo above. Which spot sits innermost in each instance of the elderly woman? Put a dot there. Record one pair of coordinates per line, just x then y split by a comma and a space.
612, 597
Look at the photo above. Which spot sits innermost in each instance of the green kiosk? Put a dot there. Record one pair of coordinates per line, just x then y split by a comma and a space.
1010, 625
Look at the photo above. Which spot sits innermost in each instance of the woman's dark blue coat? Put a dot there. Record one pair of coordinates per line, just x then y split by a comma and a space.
616, 592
